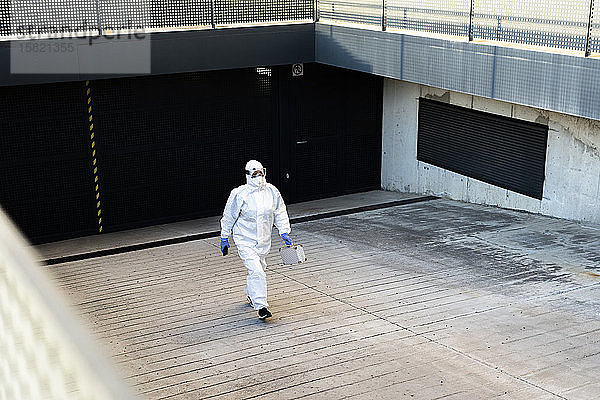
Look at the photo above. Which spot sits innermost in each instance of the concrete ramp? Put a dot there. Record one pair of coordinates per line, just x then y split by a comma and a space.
429, 300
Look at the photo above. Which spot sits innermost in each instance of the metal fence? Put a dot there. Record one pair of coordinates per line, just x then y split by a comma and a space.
45, 353
27, 17
47, 17
564, 24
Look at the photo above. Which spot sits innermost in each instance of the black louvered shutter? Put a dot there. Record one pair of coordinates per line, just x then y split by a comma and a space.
502, 151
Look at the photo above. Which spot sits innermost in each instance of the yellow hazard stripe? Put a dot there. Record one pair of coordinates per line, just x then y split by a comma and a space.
88, 93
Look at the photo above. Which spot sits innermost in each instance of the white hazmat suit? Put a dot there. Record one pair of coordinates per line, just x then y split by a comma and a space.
250, 212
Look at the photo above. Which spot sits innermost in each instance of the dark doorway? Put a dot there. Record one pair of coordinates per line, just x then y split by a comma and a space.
331, 132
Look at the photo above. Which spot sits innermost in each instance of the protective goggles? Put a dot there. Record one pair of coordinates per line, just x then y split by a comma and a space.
257, 172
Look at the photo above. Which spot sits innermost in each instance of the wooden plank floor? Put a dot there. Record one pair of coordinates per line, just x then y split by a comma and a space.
379, 318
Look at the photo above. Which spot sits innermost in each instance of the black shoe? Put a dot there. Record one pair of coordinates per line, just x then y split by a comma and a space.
263, 313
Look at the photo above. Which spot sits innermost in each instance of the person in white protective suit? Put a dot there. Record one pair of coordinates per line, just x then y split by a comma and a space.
250, 213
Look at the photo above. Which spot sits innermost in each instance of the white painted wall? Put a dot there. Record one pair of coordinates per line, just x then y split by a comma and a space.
572, 184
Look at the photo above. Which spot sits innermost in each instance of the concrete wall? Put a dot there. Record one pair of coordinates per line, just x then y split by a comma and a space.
572, 184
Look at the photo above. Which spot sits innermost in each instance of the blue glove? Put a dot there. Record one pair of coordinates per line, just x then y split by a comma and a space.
287, 239
224, 246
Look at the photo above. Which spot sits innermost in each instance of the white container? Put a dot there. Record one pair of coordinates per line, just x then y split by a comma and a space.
292, 254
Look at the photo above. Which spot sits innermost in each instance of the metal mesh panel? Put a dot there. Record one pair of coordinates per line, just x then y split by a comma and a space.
334, 127
44, 352
136, 14
362, 12
449, 17
561, 24
158, 136
180, 13
312, 159
33, 17
124, 14
45, 166
363, 108
249, 11
595, 33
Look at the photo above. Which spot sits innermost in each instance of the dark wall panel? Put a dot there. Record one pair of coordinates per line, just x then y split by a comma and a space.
46, 180
361, 145
171, 52
334, 131
172, 147
502, 151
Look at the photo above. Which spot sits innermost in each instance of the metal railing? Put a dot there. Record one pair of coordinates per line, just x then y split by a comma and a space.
566, 24
48, 17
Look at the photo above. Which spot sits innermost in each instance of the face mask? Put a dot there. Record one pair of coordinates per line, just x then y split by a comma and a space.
258, 181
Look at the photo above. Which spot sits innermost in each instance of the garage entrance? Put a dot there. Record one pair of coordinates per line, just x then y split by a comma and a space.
81, 158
